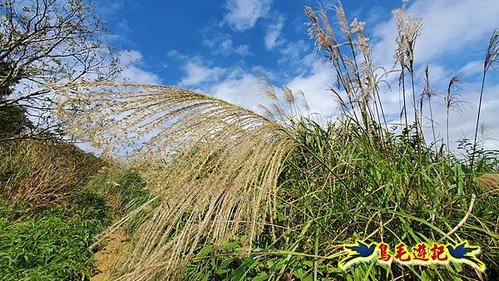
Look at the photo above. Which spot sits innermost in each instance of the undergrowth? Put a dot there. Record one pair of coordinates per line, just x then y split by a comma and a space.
125, 191
54, 205
53, 243
44, 172
351, 188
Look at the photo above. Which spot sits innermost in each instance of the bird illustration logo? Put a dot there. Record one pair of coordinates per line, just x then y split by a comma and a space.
465, 253
357, 252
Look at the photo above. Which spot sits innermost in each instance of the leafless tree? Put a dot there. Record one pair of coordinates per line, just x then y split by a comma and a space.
44, 42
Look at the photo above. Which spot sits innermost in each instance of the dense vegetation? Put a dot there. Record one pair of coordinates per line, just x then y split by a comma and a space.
383, 191
206, 190
55, 201
47, 218
50, 244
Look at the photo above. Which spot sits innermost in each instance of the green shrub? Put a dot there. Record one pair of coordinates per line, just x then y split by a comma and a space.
52, 244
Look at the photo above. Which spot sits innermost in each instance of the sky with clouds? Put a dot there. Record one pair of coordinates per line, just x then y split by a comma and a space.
221, 48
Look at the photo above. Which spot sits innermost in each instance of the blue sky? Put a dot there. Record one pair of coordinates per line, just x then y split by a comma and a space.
266, 35
221, 48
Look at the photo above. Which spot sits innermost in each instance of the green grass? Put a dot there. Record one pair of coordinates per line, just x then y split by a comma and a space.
50, 239
50, 244
124, 191
356, 180
341, 186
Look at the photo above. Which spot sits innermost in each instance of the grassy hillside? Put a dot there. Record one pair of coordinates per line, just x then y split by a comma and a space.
213, 191
44, 172
47, 218
343, 186
55, 201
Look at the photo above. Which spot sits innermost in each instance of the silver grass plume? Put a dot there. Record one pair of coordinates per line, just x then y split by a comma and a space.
213, 165
491, 58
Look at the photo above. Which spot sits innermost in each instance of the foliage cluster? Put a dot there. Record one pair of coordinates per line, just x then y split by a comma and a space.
124, 191
56, 201
386, 192
52, 243
44, 42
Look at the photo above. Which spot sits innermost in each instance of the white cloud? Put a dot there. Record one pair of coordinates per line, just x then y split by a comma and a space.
243, 14
315, 86
292, 52
197, 73
448, 27
134, 73
175, 54
244, 90
273, 33
225, 46
471, 68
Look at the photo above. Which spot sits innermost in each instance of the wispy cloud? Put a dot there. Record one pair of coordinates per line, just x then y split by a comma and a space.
315, 83
292, 52
471, 68
223, 45
134, 73
243, 14
176, 54
227, 47
448, 27
273, 37
196, 73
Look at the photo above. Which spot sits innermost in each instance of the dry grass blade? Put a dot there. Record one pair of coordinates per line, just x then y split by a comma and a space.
409, 28
304, 103
345, 27
265, 111
223, 162
491, 57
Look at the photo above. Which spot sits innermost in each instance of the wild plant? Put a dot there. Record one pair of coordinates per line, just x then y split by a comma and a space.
491, 57
277, 195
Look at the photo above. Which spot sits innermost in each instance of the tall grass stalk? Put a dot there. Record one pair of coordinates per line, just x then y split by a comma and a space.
451, 101
491, 57
428, 94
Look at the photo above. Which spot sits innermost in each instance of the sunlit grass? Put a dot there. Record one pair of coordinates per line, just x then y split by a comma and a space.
241, 196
